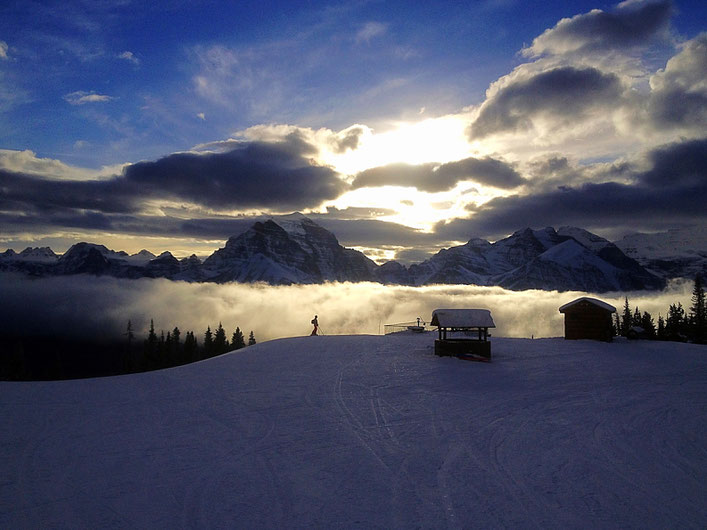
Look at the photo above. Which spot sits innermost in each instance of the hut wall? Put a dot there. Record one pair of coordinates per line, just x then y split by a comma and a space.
588, 322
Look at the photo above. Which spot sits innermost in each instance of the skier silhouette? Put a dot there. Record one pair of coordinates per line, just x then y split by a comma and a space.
315, 322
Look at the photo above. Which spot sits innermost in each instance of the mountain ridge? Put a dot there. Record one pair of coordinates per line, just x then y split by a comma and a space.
294, 249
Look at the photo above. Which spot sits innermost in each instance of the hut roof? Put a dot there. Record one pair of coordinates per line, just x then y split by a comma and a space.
462, 318
599, 303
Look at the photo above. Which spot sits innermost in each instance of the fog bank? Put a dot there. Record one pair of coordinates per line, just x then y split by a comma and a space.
87, 306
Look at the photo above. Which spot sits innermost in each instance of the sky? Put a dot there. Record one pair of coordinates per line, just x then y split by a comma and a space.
403, 128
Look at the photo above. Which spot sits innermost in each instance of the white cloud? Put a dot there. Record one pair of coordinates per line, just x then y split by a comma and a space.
29, 163
3, 50
129, 56
201, 116
370, 30
81, 98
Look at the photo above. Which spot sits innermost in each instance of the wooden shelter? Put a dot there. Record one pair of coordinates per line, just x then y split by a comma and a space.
463, 332
588, 318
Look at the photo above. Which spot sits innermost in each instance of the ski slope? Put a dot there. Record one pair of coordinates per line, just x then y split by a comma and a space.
369, 432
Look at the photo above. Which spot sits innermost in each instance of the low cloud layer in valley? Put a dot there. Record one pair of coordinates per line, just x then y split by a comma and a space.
95, 307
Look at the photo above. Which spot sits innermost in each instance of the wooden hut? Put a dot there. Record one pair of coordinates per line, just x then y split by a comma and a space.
588, 318
463, 333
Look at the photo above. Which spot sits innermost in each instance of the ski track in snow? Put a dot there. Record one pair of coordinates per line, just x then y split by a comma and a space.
368, 431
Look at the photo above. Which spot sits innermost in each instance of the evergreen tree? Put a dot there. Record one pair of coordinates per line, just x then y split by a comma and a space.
251, 339
675, 323
167, 355
151, 347
191, 348
626, 319
648, 325
176, 353
636, 319
661, 328
128, 360
208, 343
161, 351
129, 334
220, 342
698, 318
238, 340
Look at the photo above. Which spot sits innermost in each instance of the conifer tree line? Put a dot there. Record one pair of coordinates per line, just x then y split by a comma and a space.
679, 324
168, 349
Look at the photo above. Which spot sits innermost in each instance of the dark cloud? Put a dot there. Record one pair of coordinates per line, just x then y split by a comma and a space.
631, 24
488, 171
372, 233
672, 191
678, 108
277, 176
257, 174
564, 94
441, 177
401, 174
30, 194
678, 165
415, 255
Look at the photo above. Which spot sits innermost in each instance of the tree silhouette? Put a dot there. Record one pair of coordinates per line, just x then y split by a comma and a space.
151, 344
238, 340
698, 319
208, 343
220, 342
626, 319
675, 323
251, 339
191, 348
661, 335
648, 325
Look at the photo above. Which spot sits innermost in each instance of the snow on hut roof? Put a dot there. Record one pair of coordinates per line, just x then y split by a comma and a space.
599, 303
462, 318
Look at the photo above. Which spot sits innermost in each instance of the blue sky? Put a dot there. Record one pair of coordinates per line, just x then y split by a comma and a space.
88, 89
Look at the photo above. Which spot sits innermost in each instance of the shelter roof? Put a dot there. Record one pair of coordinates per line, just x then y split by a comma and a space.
599, 303
462, 318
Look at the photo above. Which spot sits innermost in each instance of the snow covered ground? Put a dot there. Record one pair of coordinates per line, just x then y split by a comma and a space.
371, 432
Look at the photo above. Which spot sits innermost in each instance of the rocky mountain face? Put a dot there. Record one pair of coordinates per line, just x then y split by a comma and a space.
679, 253
563, 260
295, 250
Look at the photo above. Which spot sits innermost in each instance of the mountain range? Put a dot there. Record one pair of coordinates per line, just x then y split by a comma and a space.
295, 250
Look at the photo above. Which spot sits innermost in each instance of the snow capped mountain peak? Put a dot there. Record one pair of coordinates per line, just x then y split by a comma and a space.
592, 241
547, 237
37, 254
566, 253
676, 253
293, 249
477, 242
144, 254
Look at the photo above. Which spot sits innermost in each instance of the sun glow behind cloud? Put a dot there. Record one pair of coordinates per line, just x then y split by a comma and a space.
435, 140
432, 140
